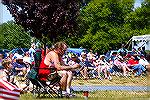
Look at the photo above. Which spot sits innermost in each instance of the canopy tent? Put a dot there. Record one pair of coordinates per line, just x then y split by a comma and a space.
76, 51
141, 41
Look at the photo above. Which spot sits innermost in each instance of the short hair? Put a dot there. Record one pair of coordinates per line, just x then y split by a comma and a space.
5, 63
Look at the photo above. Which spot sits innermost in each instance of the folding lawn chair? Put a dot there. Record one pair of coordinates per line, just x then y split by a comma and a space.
49, 88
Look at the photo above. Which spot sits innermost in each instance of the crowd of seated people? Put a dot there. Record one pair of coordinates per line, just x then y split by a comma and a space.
17, 69
123, 64
91, 65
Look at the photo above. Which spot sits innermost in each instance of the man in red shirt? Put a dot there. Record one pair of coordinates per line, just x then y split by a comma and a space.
134, 64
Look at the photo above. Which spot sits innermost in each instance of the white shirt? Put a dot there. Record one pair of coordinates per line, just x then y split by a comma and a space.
31, 52
27, 59
143, 62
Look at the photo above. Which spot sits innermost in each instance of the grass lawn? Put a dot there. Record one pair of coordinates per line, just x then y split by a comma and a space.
99, 95
119, 81
106, 95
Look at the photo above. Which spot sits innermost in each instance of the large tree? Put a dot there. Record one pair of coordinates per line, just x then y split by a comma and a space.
45, 18
13, 36
101, 23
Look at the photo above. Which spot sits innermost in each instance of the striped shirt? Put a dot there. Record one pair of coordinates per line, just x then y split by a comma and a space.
8, 91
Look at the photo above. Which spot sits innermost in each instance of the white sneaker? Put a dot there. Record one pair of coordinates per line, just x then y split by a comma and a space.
109, 78
64, 92
68, 90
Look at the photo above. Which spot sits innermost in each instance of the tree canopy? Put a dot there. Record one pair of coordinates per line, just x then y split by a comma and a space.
50, 18
13, 36
101, 25
106, 24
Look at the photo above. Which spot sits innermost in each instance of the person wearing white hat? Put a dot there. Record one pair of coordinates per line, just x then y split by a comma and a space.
19, 66
83, 56
84, 63
121, 65
103, 67
32, 52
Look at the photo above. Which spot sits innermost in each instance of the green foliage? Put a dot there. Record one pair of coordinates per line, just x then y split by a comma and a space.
106, 24
101, 23
140, 18
13, 36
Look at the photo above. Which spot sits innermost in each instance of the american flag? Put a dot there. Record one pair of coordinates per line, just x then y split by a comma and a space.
8, 91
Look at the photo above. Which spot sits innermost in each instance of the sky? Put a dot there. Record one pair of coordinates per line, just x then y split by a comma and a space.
5, 15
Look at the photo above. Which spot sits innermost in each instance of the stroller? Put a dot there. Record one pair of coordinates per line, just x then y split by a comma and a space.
49, 88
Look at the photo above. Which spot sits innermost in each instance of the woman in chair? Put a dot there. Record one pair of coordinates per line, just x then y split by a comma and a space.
54, 59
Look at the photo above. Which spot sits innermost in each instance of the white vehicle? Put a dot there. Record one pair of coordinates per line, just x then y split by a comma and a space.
141, 41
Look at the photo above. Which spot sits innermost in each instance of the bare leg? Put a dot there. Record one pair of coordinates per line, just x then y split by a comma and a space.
124, 70
85, 72
105, 72
63, 81
99, 70
69, 80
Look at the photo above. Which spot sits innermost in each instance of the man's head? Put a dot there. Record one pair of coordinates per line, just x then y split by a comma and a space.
60, 47
27, 54
33, 45
83, 55
73, 57
122, 45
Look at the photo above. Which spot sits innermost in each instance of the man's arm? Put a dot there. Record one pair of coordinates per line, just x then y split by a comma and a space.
59, 65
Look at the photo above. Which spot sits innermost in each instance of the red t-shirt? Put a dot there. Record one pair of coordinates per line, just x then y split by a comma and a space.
132, 62
44, 71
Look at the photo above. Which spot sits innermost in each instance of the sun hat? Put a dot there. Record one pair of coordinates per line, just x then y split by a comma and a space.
19, 57
83, 53
101, 56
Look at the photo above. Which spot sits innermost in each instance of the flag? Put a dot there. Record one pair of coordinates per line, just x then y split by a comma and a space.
8, 91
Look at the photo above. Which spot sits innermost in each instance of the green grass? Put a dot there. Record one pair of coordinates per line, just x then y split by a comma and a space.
99, 95
106, 95
121, 81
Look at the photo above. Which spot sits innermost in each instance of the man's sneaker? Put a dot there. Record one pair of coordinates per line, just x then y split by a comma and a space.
109, 78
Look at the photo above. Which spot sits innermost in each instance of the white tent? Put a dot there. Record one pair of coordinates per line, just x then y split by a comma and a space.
141, 41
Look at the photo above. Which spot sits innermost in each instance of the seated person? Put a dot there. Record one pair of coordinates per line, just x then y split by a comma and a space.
27, 59
120, 64
19, 67
134, 53
134, 64
85, 65
103, 67
144, 62
6, 72
54, 59
74, 60
122, 51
